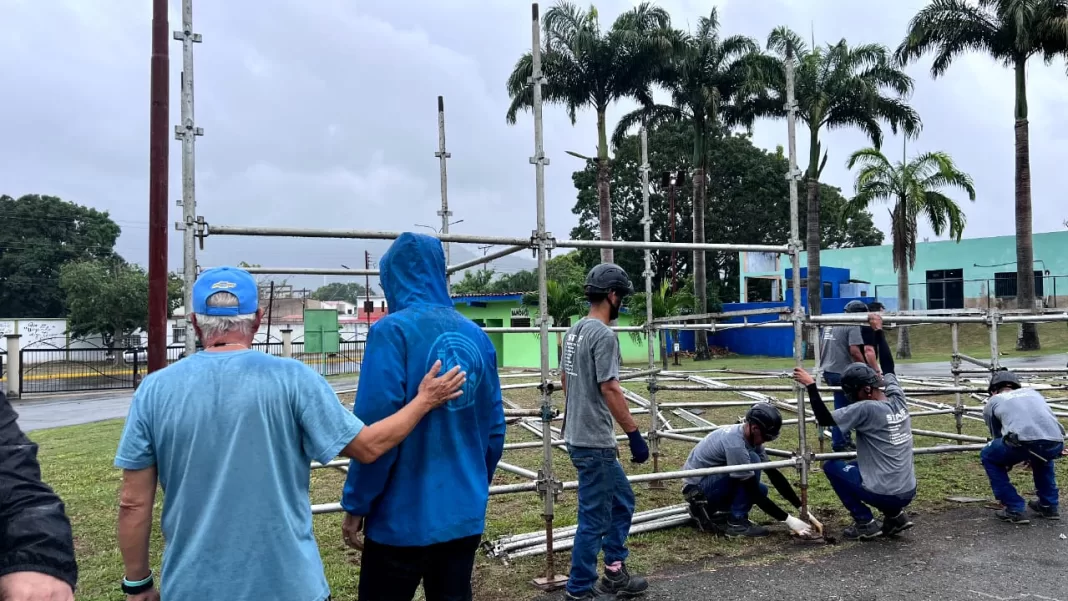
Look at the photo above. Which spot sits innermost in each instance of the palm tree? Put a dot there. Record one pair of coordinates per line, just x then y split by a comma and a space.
665, 304
915, 189
564, 300
1010, 32
710, 79
585, 67
838, 86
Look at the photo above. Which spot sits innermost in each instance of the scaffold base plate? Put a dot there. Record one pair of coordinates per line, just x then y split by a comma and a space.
553, 583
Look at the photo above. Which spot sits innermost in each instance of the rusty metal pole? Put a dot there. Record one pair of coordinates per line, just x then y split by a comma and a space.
157, 189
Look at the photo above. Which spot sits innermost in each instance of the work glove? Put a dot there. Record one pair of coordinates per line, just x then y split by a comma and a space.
639, 451
798, 526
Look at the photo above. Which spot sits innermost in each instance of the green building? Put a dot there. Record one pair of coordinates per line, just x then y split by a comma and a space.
524, 349
976, 273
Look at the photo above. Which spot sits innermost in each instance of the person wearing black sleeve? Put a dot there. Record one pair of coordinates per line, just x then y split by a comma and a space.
721, 502
883, 475
841, 346
36, 545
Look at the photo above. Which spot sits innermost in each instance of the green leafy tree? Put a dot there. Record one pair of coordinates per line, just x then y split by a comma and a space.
665, 304
712, 81
747, 193
351, 292
586, 67
475, 281
108, 297
175, 292
1010, 32
520, 281
564, 300
915, 188
838, 86
40, 234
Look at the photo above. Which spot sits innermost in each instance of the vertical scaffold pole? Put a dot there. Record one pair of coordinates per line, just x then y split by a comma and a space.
795, 261
954, 330
187, 132
445, 213
995, 354
650, 329
814, 336
548, 485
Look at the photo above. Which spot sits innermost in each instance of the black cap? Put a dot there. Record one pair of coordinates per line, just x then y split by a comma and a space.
607, 277
1003, 378
766, 417
857, 376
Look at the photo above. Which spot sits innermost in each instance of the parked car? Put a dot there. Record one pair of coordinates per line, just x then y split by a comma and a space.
135, 355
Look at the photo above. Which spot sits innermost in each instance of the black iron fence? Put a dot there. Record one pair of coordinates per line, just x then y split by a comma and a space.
50, 370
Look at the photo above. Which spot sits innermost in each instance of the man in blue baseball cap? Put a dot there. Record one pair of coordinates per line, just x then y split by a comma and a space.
230, 434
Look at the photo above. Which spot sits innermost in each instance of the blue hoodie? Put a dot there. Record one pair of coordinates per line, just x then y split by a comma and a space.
434, 486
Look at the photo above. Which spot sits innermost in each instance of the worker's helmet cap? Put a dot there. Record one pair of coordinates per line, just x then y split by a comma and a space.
1003, 378
766, 417
855, 306
606, 277
856, 377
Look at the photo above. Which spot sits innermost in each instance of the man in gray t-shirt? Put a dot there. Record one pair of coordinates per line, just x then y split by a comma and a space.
592, 398
883, 476
1024, 429
840, 347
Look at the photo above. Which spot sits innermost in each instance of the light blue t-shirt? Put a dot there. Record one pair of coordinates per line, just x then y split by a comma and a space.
233, 435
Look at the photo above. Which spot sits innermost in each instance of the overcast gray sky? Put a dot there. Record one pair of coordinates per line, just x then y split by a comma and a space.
323, 114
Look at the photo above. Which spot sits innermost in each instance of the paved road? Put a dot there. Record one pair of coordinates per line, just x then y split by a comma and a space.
958, 555
74, 409
940, 368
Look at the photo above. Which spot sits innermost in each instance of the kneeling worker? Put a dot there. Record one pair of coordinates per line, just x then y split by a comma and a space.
721, 502
883, 475
1024, 428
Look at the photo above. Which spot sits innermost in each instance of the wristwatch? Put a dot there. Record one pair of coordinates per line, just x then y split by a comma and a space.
137, 587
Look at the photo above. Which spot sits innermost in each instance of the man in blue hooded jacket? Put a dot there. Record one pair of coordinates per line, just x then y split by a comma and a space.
422, 506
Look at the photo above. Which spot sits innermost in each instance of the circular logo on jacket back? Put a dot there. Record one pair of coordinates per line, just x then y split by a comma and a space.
454, 349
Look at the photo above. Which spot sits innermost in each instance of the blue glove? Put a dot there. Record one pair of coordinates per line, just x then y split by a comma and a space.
639, 451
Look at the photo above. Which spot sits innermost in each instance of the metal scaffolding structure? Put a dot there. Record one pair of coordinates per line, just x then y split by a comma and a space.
539, 421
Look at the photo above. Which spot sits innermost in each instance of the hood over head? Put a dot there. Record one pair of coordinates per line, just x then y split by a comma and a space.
412, 272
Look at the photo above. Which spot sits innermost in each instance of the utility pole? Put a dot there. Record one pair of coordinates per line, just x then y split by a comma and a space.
187, 132
444, 213
159, 105
485, 249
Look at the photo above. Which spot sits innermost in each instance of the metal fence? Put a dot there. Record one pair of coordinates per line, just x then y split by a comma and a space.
956, 293
52, 370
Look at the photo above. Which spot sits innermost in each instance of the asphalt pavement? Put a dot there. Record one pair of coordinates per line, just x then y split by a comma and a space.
941, 368
958, 555
84, 408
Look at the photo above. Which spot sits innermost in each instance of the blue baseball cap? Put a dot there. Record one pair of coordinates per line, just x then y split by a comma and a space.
236, 281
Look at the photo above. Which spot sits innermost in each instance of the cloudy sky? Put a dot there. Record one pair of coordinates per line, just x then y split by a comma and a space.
323, 114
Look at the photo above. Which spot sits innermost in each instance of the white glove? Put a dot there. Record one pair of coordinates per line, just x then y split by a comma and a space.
797, 526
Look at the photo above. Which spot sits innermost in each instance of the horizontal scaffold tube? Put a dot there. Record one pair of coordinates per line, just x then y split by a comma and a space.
890, 318
708, 471
1036, 318
486, 258
310, 271
773, 388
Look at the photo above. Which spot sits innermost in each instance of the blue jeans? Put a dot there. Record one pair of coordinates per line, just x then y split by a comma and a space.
848, 485
839, 440
605, 508
998, 457
726, 494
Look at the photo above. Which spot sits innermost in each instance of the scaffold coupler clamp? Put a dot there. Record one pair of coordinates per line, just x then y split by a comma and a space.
550, 241
202, 230
544, 485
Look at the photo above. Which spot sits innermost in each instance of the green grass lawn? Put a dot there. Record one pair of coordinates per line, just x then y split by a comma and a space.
76, 461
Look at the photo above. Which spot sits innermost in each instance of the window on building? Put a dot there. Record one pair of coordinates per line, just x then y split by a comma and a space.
178, 334
1005, 284
945, 289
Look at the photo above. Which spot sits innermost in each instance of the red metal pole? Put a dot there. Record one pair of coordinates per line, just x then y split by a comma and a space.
157, 189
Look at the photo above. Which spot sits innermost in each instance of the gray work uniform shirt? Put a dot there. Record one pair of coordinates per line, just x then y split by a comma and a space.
1023, 412
722, 447
834, 348
590, 358
884, 440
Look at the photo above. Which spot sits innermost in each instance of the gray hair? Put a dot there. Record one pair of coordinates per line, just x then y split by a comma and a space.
213, 326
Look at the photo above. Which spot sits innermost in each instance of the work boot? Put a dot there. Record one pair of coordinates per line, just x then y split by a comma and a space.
892, 526
866, 531
590, 595
1012, 517
621, 584
744, 527
1048, 512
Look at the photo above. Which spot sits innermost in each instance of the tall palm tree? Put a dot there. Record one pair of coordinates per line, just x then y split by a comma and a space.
1010, 32
915, 189
838, 86
585, 67
665, 304
711, 81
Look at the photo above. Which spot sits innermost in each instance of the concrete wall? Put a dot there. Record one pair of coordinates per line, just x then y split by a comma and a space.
978, 258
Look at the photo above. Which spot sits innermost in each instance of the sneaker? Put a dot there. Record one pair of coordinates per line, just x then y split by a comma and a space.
1012, 517
868, 531
590, 595
745, 528
892, 526
1048, 512
621, 583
